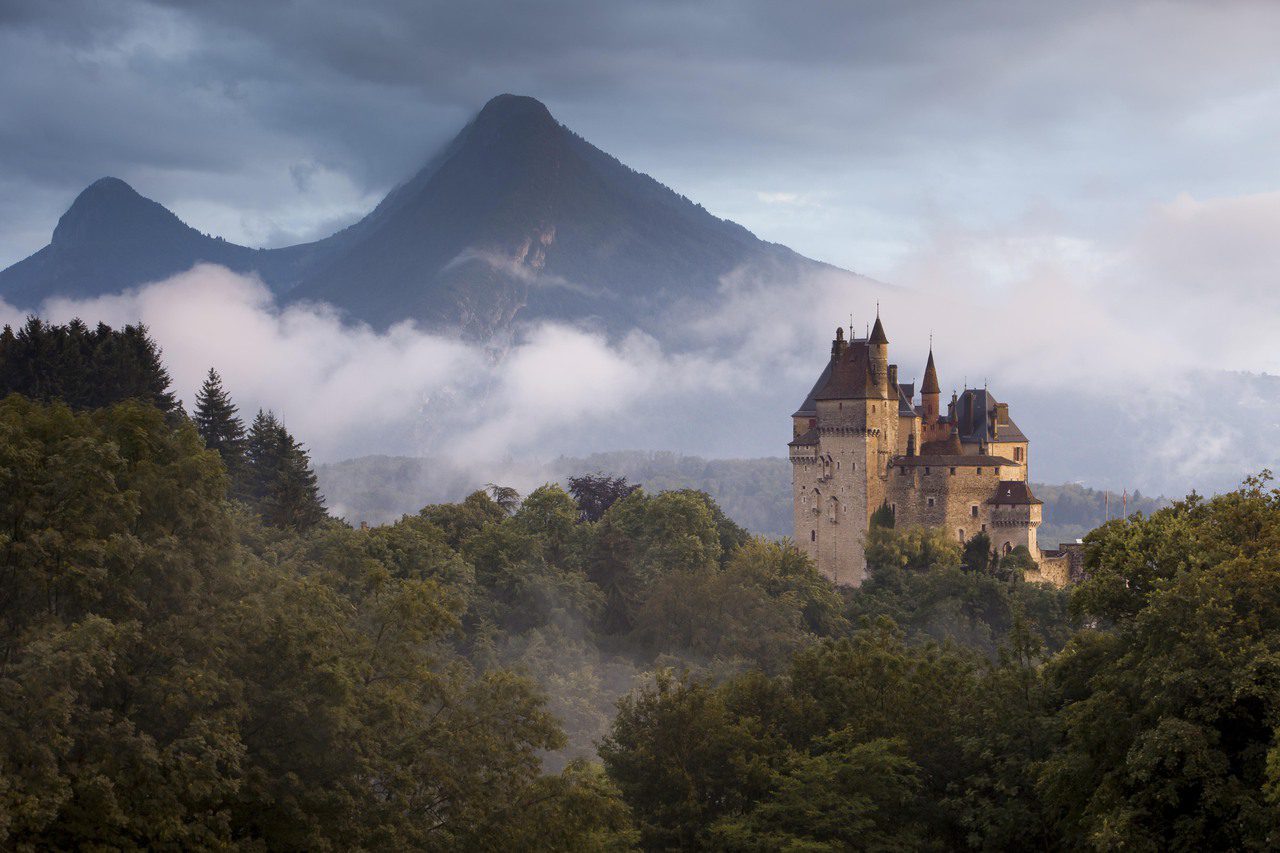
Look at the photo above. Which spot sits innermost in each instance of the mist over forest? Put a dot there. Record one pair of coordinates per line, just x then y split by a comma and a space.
208, 658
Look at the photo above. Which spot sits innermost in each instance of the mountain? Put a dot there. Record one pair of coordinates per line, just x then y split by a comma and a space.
518, 218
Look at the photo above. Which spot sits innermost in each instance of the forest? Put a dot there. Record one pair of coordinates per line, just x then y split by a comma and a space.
195, 655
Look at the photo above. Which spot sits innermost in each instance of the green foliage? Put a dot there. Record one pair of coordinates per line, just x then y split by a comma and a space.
1169, 717
977, 556
846, 795
173, 674
217, 420
683, 758
81, 367
917, 579
883, 516
182, 671
278, 481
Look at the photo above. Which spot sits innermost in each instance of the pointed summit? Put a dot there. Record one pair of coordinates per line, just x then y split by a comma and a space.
111, 210
930, 384
516, 219
877, 332
509, 107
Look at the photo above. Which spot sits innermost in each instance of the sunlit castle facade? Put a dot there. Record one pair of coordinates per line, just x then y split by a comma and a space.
861, 440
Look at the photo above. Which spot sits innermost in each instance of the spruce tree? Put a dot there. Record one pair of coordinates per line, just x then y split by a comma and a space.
279, 482
218, 422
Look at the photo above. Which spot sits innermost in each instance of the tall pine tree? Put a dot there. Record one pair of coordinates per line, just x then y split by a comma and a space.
218, 422
279, 482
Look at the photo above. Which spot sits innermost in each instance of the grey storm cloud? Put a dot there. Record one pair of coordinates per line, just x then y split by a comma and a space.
880, 117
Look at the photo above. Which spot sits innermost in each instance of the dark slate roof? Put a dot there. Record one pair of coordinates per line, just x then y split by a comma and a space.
1009, 430
974, 414
877, 333
970, 414
809, 407
905, 394
930, 384
809, 438
1013, 492
850, 377
964, 460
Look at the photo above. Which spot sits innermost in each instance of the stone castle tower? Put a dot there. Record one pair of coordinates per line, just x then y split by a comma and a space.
860, 441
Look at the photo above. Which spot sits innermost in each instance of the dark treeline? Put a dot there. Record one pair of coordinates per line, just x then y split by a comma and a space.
193, 655
82, 367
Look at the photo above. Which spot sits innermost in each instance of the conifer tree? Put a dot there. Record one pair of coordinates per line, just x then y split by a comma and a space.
217, 420
279, 481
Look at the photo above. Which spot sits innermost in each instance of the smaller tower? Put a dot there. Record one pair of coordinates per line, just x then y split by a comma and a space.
930, 391
878, 345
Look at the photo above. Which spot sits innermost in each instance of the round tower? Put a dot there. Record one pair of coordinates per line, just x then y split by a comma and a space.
878, 347
930, 391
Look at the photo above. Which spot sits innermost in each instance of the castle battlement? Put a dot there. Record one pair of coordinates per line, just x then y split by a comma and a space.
860, 440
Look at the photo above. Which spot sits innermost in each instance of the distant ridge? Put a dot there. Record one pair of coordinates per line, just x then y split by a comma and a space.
518, 218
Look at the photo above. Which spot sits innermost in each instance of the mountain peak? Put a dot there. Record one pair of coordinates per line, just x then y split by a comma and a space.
110, 209
513, 113
514, 106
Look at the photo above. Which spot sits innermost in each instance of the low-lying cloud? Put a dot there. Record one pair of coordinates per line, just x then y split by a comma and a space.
1112, 356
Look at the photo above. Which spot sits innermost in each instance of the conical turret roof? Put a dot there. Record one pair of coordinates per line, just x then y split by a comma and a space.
877, 333
930, 384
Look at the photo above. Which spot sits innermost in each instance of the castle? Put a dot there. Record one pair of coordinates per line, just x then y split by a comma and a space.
860, 441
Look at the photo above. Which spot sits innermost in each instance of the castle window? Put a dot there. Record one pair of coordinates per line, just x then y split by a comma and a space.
961, 532
973, 510
930, 502
1008, 548
979, 472
984, 528
926, 470
813, 536
893, 508
837, 465
953, 472
1017, 454
997, 472
902, 470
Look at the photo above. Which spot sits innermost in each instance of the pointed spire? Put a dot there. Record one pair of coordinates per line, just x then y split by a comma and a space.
877, 331
930, 385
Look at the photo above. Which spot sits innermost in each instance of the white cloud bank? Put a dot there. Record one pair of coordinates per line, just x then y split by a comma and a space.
1081, 338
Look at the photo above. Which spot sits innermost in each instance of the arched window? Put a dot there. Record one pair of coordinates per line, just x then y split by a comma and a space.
1008, 548
961, 533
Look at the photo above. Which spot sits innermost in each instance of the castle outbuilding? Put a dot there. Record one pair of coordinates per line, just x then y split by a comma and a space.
861, 441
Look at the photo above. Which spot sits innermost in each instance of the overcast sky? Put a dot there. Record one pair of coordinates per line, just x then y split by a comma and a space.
1078, 198
864, 134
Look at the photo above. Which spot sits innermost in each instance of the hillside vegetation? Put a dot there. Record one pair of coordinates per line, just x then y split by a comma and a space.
754, 492
191, 661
